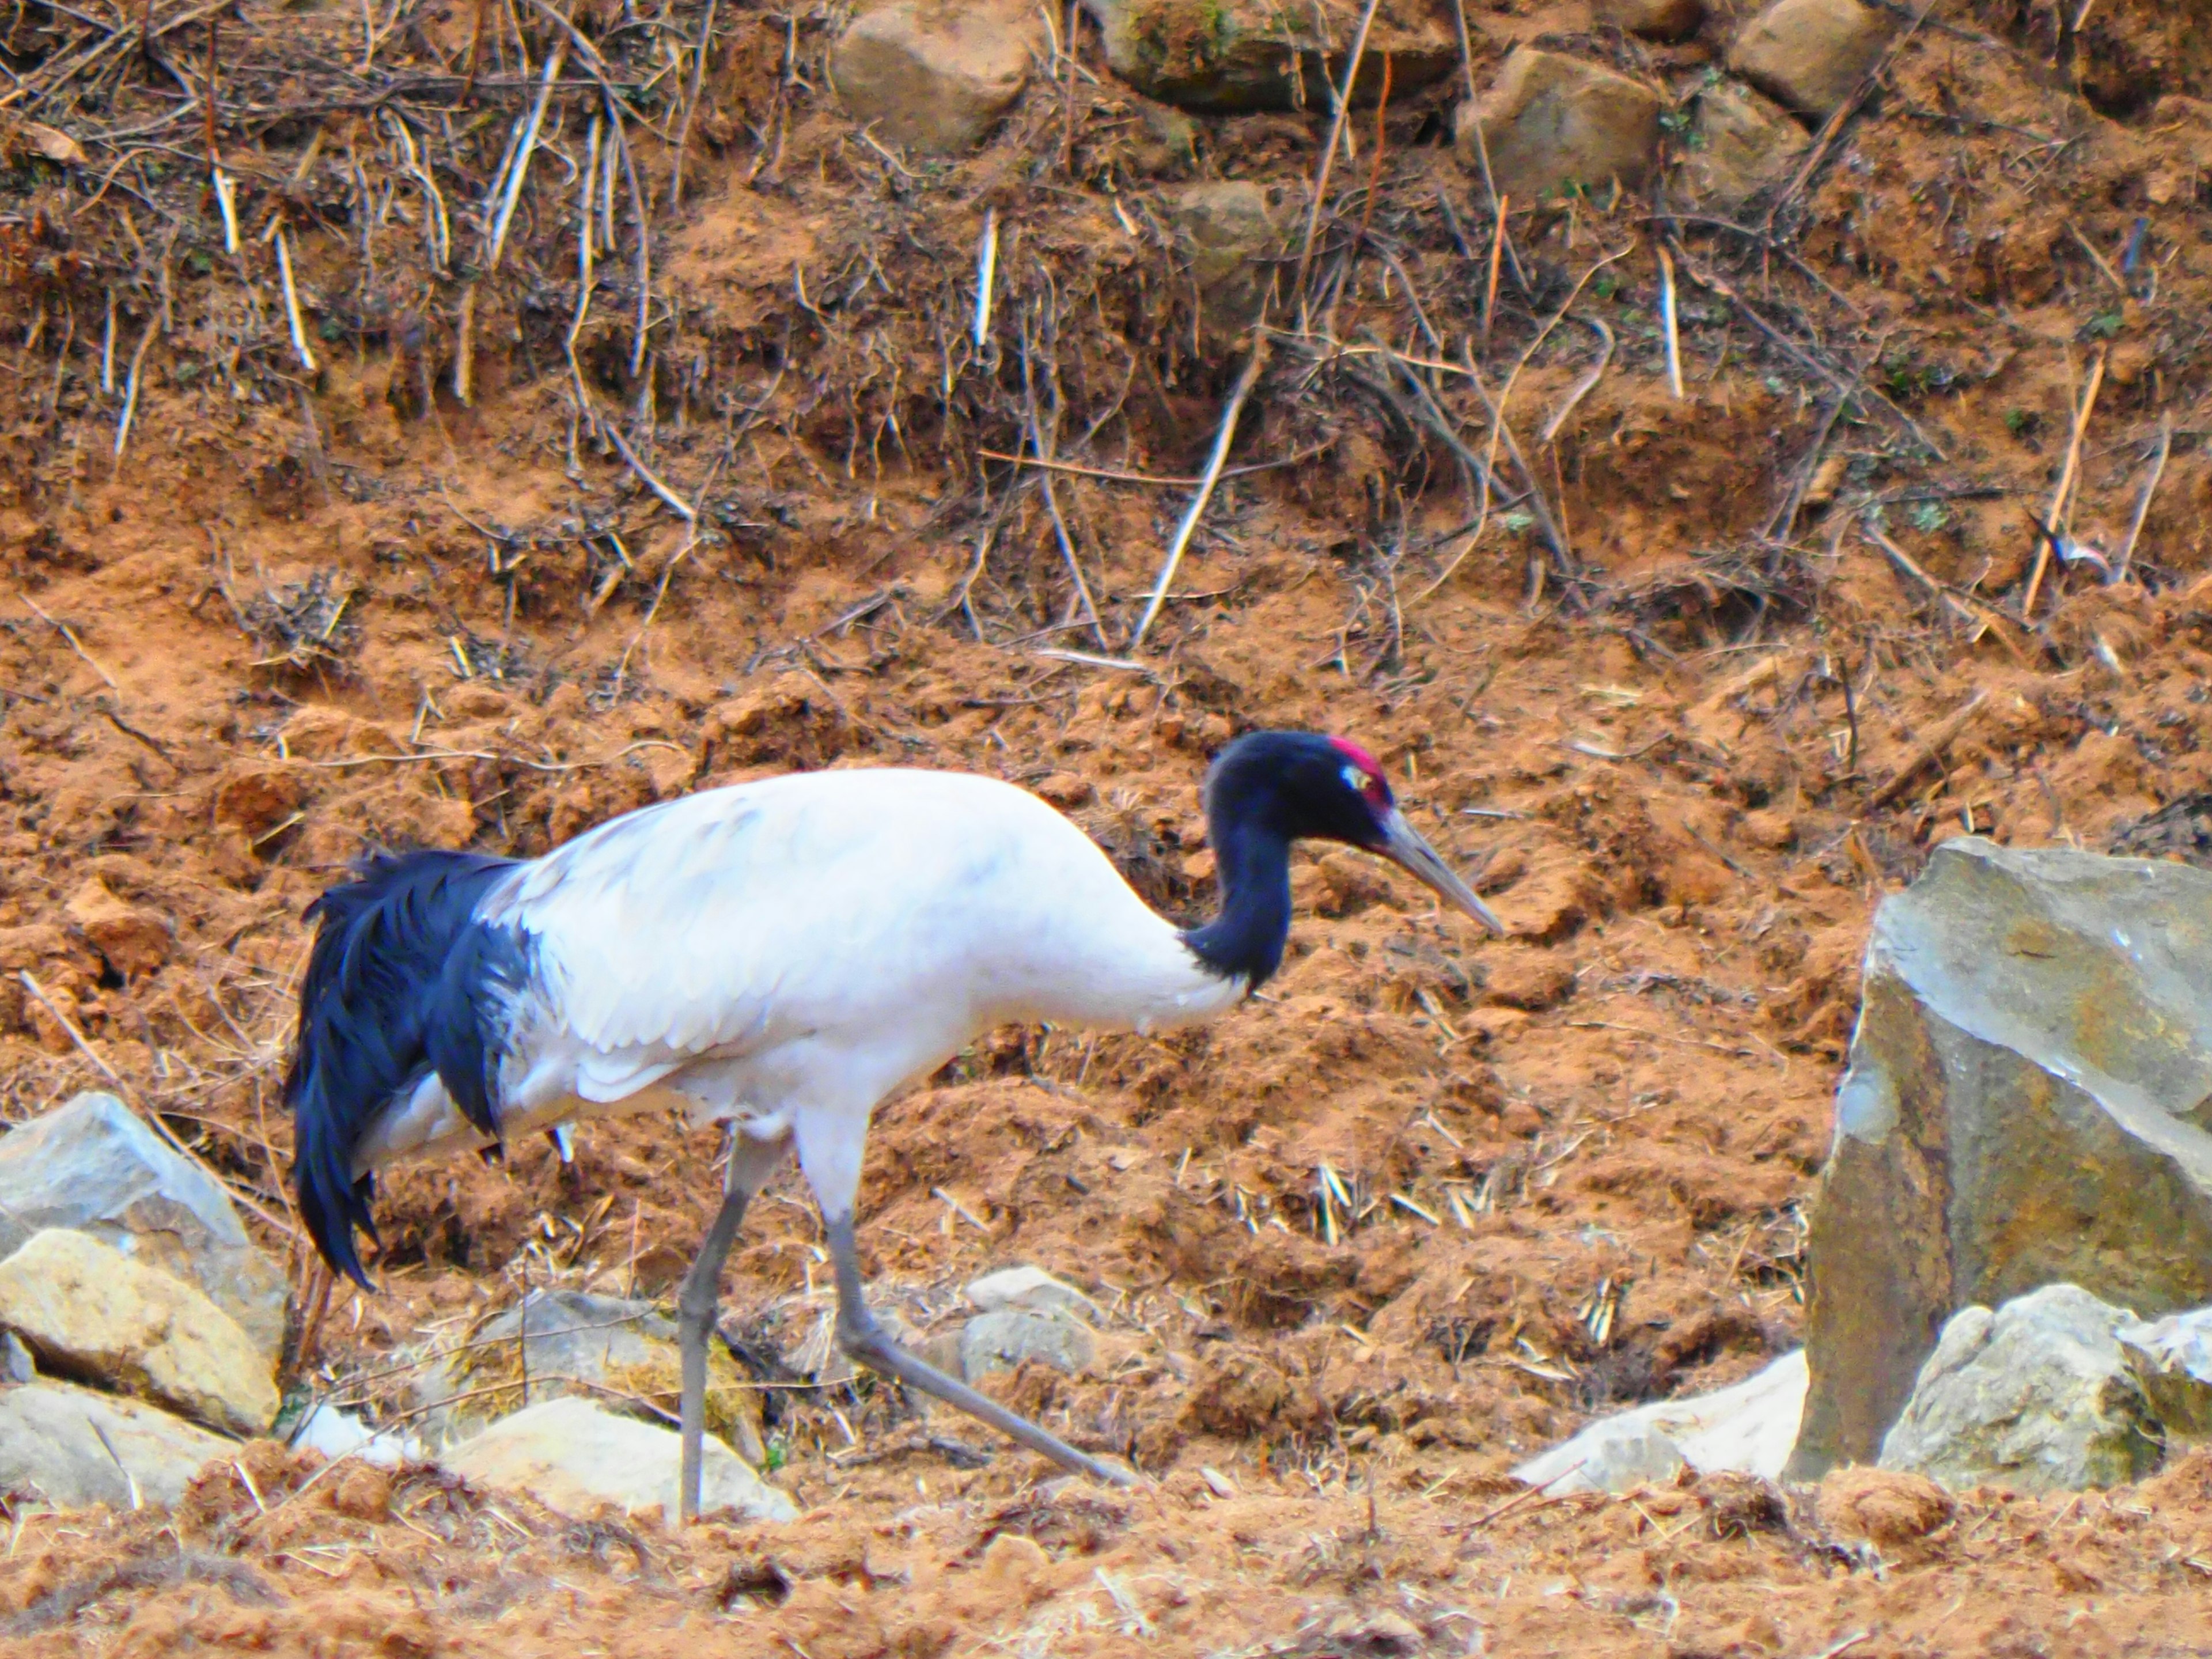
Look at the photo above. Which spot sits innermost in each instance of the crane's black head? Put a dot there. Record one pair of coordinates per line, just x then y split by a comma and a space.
1270, 788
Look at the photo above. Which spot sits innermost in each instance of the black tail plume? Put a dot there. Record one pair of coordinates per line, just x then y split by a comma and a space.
372, 1008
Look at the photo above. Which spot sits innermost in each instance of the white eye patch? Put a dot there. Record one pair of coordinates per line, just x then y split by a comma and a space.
1355, 780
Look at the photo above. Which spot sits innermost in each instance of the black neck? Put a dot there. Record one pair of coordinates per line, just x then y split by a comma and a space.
1246, 940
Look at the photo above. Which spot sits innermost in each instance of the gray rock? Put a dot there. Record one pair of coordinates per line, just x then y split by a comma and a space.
573, 1456
1032, 1288
2026, 1104
1741, 142
51, 1445
1233, 56
1227, 232
2172, 1358
1747, 1428
1001, 1340
572, 1342
89, 1310
934, 75
93, 1166
1811, 54
17, 1363
2036, 1396
1550, 121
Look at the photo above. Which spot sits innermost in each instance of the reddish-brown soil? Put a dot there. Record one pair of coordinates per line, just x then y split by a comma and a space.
1431, 1202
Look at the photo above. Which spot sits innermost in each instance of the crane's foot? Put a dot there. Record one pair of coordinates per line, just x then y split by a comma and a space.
867, 1343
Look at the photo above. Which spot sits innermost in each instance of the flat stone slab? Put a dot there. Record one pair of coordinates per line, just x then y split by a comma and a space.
1747, 1428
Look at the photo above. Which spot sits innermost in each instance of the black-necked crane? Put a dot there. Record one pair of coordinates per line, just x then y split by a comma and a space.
780, 956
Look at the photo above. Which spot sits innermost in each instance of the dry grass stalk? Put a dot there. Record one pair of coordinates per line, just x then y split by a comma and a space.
1668, 322
1211, 477
1329, 151
292, 317
1932, 749
518, 169
2142, 502
2054, 517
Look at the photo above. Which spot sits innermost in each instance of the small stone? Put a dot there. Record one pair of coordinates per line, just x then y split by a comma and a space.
572, 1455
1655, 20
16, 1362
2036, 1396
1810, 55
1551, 121
932, 75
1770, 828
1741, 144
1892, 1509
1001, 1340
93, 1166
134, 940
1228, 232
1034, 1289
49, 1446
1166, 143
2172, 1358
86, 1307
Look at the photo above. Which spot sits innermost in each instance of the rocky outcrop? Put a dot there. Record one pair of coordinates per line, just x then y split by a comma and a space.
1233, 56
1747, 1428
1741, 143
2036, 1396
2172, 1358
2026, 1104
1551, 121
93, 1166
574, 1456
88, 1310
1811, 55
935, 75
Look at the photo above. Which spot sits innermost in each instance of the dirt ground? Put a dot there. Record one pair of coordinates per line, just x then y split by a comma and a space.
1709, 677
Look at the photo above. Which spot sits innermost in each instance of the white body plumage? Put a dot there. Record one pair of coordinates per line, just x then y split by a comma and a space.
790, 952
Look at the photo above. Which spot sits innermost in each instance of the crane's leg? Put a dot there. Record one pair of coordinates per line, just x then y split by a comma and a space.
870, 1344
751, 1163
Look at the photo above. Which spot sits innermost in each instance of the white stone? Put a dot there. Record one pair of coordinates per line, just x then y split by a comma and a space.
1747, 1428
573, 1456
338, 1434
1033, 1288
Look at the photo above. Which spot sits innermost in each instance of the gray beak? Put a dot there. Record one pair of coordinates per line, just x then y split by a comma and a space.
1406, 849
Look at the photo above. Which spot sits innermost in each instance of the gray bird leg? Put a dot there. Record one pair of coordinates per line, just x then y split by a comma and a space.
751, 1163
867, 1341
